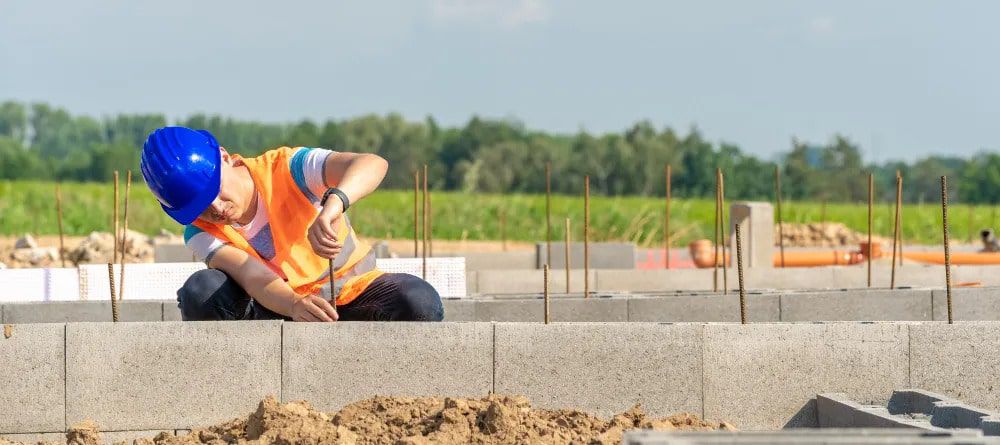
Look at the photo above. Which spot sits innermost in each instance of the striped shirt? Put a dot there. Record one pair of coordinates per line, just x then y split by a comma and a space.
307, 166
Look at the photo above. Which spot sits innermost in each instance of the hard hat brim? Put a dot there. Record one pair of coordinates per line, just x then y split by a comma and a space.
188, 213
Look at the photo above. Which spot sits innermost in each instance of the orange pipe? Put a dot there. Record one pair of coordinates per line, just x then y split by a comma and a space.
957, 258
796, 259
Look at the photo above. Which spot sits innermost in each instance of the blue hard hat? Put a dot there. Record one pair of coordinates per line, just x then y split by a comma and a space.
183, 168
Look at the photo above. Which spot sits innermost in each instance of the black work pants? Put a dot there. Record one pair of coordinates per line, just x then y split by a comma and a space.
211, 294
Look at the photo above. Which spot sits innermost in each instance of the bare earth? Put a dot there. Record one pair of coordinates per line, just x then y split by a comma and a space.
494, 419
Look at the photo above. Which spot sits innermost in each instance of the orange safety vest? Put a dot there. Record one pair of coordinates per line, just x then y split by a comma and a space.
290, 214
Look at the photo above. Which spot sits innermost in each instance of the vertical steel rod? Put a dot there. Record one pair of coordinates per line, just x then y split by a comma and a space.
121, 275
715, 234
424, 223
546, 279
416, 213
722, 232
900, 198
895, 234
567, 255
947, 244
739, 270
114, 223
586, 237
548, 213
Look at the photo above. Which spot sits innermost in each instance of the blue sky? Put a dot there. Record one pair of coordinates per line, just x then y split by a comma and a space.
902, 78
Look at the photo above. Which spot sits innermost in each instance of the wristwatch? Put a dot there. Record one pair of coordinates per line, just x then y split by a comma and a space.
340, 194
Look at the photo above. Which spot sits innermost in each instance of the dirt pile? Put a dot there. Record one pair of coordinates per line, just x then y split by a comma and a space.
822, 235
95, 248
99, 248
417, 421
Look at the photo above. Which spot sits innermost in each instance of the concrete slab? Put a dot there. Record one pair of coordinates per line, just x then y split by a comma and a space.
459, 310
606, 255
653, 280
32, 393
703, 308
80, 311
858, 305
331, 365
765, 376
756, 221
530, 281
602, 368
169, 375
957, 360
968, 303
561, 309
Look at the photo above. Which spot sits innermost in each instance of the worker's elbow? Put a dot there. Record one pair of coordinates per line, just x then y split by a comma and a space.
383, 165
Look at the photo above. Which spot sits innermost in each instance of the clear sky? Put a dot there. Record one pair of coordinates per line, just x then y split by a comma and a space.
902, 78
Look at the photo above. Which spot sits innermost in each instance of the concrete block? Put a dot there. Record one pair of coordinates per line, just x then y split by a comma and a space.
857, 305
789, 278
518, 260
954, 414
602, 255
602, 368
168, 375
35, 437
756, 220
530, 281
81, 311
910, 275
765, 376
836, 410
561, 309
990, 426
332, 365
968, 304
653, 280
908, 401
958, 360
459, 310
32, 393
703, 308
171, 312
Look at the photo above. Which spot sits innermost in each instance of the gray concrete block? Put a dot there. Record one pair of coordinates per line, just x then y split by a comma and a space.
32, 395
81, 311
990, 426
459, 310
602, 368
561, 309
837, 410
968, 304
602, 255
169, 375
912, 274
332, 365
908, 401
35, 437
858, 305
653, 280
530, 281
957, 360
171, 312
954, 414
790, 278
703, 308
765, 376
519, 260
756, 220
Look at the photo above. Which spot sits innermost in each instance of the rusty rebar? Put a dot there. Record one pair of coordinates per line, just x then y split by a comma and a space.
567, 254
947, 244
715, 234
114, 225
899, 198
586, 236
548, 213
416, 213
121, 276
895, 233
871, 199
722, 232
781, 226
546, 294
59, 219
111, 283
424, 222
739, 271
666, 224
332, 277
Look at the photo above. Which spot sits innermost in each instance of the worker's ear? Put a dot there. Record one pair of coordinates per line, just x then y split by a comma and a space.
228, 159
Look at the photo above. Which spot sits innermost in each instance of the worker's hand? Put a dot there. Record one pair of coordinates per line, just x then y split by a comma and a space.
313, 308
322, 235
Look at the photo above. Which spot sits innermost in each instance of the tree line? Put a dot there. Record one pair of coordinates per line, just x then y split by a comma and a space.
39, 141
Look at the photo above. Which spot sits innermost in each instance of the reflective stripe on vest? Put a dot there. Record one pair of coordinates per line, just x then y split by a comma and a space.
290, 214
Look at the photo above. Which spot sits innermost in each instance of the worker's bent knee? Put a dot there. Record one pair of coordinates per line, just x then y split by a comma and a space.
419, 301
210, 294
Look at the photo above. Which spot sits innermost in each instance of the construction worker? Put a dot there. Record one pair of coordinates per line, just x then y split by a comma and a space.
268, 228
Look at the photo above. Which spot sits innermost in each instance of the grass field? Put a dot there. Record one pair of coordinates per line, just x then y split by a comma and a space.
29, 207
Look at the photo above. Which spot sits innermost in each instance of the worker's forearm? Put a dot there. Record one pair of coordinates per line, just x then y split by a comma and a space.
362, 176
272, 292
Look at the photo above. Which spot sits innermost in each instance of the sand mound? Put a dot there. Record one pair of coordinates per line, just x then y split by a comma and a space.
493, 419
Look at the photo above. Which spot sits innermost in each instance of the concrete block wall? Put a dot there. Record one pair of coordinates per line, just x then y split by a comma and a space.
146, 377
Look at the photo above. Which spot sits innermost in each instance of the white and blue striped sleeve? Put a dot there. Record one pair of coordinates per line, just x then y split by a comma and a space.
307, 167
202, 243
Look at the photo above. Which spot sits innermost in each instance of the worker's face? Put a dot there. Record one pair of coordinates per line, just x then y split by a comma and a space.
229, 206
